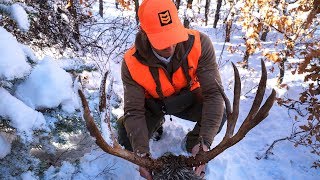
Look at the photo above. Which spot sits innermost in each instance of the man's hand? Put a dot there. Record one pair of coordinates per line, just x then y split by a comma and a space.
200, 170
145, 173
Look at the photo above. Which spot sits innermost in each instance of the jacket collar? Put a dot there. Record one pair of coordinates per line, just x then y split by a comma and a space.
145, 55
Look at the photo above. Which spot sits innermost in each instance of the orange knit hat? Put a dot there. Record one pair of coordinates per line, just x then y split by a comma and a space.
159, 19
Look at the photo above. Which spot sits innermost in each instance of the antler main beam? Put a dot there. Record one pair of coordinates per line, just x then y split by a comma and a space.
255, 116
117, 150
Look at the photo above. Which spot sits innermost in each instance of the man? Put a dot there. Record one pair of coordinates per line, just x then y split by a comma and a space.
169, 70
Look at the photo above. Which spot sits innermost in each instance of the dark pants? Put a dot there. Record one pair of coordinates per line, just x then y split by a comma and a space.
192, 113
153, 121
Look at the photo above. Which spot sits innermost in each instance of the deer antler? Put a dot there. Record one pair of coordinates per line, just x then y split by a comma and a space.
255, 116
116, 150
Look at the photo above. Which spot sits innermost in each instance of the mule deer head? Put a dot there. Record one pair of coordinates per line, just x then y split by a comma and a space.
180, 167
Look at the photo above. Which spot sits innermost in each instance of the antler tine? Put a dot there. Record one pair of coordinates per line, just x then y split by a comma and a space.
232, 116
236, 101
225, 98
260, 93
248, 124
244, 129
260, 116
116, 151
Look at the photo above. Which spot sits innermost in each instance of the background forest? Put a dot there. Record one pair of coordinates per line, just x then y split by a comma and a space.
48, 46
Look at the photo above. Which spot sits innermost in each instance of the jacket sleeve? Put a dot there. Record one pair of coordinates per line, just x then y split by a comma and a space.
213, 107
134, 112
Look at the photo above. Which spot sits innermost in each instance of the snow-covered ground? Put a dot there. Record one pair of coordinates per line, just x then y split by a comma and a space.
52, 87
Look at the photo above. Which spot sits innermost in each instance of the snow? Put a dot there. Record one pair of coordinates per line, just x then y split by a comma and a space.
75, 64
20, 16
21, 117
12, 60
28, 176
5, 146
5, 1
29, 53
95, 165
48, 86
66, 172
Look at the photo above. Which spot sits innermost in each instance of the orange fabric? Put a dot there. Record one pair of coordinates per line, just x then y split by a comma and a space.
159, 19
142, 75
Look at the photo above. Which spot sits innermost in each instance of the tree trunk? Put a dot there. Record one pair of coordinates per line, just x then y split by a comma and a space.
136, 5
178, 4
101, 8
282, 70
264, 34
117, 4
199, 5
189, 5
229, 27
245, 59
217, 14
206, 11
266, 29
281, 74
73, 11
186, 22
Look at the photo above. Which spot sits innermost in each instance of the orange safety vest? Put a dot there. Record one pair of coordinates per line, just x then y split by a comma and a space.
142, 75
